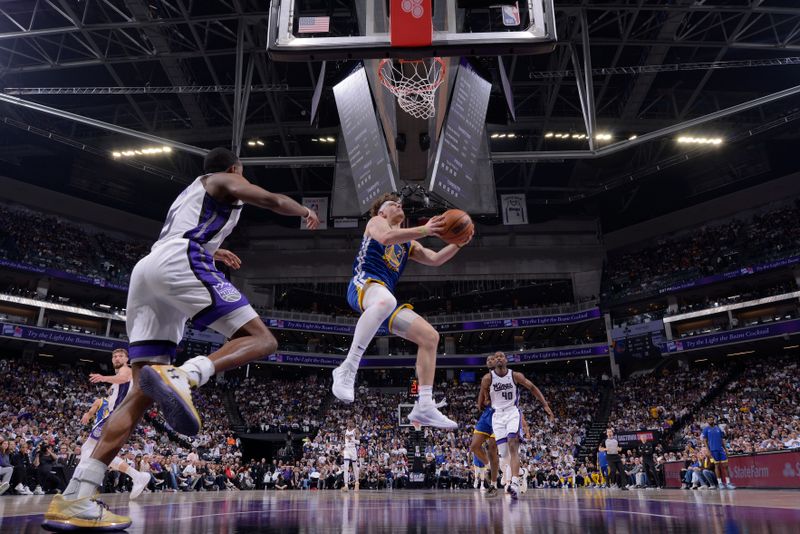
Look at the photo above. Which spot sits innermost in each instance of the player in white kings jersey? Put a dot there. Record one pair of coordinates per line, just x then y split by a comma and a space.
101, 409
500, 386
350, 454
175, 282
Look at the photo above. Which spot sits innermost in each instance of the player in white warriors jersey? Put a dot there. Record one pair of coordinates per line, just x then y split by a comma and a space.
501, 387
351, 439
177, 281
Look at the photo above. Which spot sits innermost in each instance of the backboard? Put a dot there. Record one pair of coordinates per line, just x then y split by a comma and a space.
307, 30
403, 410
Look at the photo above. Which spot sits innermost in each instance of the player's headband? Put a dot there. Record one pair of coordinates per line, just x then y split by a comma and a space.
388, 202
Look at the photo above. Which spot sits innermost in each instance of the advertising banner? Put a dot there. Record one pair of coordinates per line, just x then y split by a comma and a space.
494, 324
730, 275
734, 336
630, 439
461, 360
60, 337
766, 470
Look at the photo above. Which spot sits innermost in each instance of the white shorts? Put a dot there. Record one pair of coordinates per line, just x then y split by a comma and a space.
506, 423
175, 282
350, 454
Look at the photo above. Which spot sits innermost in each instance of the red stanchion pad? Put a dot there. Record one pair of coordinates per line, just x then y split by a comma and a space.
411, 23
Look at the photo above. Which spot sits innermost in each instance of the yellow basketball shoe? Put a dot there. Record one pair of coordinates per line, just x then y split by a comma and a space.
170, 387
82, 514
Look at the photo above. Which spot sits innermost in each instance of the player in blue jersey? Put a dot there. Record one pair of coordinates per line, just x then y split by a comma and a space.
602, 464
385, 249
713, 438
483, 434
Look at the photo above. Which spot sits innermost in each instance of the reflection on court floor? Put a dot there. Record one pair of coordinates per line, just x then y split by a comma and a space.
651, 512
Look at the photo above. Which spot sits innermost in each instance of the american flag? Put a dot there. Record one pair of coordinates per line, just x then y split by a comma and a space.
313, 24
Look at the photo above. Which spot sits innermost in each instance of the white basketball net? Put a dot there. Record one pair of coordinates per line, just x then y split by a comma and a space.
414, 83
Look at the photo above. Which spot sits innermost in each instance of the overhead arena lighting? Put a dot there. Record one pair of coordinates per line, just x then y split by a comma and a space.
511, 135
147, 151
564, 135
324, 139
603, 137
255, 142
688, 140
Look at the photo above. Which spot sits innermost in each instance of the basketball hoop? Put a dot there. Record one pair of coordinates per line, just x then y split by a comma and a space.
414, 83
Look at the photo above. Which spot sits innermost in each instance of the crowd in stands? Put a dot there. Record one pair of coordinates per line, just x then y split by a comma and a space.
34, 425
46, 241
41, 434
552, 445
278, 405
709, 250
644, 402
758, 410
41, 431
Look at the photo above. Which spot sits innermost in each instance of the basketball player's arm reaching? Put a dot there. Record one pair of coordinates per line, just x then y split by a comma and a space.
432, 258
483, 396
227, 186
123, 377
519, 378
91, 412
381, 231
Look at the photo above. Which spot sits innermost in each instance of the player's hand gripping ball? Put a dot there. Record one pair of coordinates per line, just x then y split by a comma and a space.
458, 227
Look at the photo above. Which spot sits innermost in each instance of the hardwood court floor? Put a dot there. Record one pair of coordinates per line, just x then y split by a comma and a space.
467, 511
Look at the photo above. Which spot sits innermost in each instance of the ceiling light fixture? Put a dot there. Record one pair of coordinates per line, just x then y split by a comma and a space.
690, 140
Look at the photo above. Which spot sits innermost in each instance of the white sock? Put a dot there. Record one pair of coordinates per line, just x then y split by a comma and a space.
87, 478
515, 481
117, 465
200, 369
425, 395
727, 480
378, 303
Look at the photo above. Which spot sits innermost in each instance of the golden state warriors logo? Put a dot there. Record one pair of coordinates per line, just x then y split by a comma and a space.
393, 256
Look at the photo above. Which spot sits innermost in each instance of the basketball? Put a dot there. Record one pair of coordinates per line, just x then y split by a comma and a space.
457, 226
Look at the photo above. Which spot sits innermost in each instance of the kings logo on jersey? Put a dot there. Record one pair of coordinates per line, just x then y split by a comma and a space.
394, 256
502, 387
227, 292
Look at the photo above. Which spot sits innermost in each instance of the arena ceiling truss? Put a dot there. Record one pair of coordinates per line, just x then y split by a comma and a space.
190, 74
